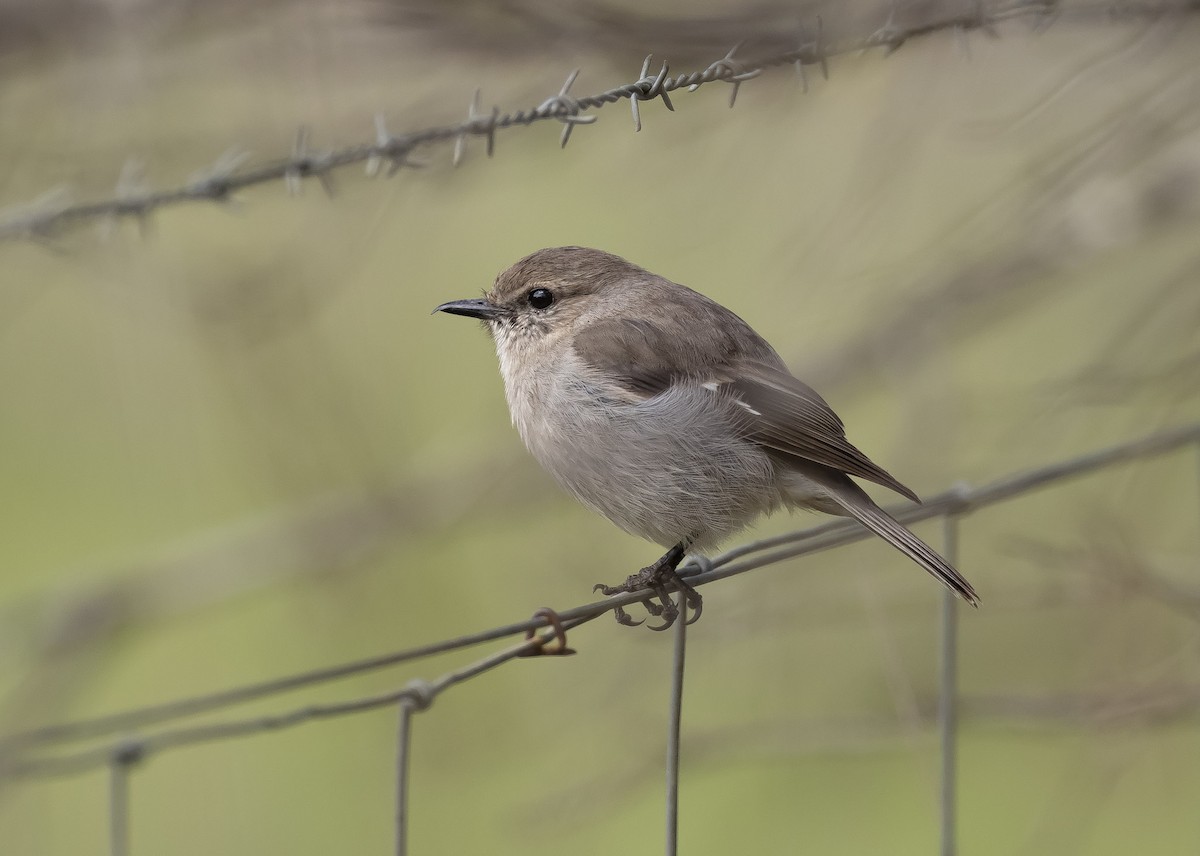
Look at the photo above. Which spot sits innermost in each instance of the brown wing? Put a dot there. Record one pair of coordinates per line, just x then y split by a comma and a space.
630, 352
777, 410
650, 355
790, 417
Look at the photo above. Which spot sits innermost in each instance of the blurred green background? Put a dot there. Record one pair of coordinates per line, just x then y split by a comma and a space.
236, 445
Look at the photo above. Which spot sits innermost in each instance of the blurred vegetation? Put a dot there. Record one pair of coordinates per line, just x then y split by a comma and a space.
236, 445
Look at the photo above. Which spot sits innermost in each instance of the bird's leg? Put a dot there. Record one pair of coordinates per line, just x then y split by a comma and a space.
661, 578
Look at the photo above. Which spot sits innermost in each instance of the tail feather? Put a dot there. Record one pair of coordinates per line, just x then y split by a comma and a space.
889, 529
857, 504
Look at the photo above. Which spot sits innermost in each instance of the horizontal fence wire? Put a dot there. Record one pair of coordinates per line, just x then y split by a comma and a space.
29, 753
47, 216
25, 755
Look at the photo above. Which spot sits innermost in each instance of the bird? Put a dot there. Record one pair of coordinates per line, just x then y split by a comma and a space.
665, 412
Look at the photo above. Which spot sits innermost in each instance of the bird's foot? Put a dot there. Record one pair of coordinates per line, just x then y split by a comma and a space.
660, 578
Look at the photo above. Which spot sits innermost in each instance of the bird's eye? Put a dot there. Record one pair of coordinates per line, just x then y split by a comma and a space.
540, 298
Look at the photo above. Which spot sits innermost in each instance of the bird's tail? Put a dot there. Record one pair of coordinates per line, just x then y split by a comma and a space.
854, 500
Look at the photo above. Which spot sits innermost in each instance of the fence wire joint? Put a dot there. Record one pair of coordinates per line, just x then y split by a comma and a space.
419, 695
129, 752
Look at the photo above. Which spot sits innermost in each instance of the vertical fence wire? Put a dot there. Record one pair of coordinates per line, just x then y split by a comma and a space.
948, 698
403, 754
118, 806
674, 720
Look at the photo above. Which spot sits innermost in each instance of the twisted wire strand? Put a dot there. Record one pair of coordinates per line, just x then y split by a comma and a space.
53, 212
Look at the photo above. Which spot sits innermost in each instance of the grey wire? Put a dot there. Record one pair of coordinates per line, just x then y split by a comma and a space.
810, 540
118, 807
403, 752
956, 501
420, 693
186, 707
948, 698
674, 726
226, 177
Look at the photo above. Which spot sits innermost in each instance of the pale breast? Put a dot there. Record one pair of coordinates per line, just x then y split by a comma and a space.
669, 468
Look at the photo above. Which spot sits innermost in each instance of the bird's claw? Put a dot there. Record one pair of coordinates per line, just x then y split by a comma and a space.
669, 617
624, 619
660, 579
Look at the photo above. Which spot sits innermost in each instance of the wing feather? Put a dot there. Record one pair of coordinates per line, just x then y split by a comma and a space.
792, 419
778, 411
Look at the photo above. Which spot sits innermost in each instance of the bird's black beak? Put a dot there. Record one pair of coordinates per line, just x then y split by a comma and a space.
475, 307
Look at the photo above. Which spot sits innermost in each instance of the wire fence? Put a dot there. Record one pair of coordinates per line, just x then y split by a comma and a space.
47, 216
125, 740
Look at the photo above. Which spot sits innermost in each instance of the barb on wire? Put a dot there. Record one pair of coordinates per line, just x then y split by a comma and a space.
217, 182
727, 64
304, 165
131, 183
25, 754
565, 109
648, 88
460, 142
799, 61
47, 216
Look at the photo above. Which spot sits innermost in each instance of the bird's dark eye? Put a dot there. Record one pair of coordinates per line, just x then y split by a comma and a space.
540, 298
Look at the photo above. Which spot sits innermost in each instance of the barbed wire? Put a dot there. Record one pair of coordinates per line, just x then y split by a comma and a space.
53, 211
